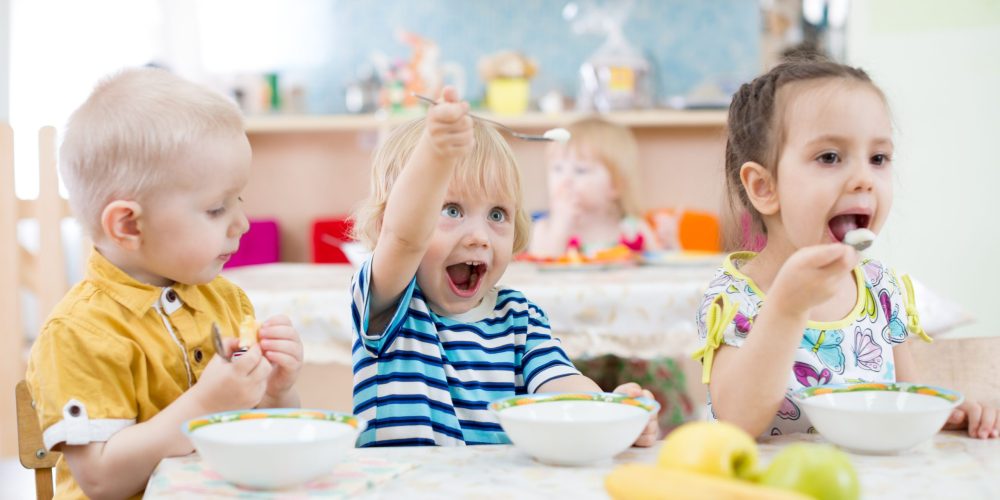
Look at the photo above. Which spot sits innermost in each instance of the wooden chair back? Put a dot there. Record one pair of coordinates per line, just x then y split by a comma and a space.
42, 273
31, 447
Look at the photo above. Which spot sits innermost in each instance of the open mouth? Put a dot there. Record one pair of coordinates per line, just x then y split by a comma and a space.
464, 278
841, 224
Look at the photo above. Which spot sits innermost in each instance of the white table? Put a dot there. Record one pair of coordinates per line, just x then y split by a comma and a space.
950, 466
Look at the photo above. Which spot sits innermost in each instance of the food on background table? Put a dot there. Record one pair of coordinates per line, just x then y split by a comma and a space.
619, 254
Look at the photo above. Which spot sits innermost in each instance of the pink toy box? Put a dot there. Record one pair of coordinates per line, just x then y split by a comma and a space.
260, 245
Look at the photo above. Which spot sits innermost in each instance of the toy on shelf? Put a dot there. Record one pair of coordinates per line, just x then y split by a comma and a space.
507, 75
329, 238
683, 229
423, 73
260, 245
617, 76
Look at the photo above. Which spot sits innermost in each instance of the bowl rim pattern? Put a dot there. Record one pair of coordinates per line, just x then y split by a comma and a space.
644, 403
803, 394
196, 423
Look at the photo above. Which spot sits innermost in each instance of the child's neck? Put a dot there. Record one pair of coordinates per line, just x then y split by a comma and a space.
763, 268
122, 260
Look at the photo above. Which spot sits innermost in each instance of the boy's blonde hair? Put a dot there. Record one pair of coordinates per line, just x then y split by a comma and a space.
117, 143
489, 168
614, 146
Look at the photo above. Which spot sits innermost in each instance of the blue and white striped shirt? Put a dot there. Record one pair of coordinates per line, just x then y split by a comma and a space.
428, 379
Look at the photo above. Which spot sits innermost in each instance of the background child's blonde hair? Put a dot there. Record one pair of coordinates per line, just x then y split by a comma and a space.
614, 146
119, 141
489, 168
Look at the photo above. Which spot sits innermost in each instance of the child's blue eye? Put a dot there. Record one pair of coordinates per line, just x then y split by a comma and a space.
451, 210
498, 215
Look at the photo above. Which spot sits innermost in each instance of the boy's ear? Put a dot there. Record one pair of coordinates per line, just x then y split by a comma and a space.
120, 223
760, 186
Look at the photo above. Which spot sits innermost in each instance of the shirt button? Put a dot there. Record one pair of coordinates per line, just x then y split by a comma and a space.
198, 355
171, 296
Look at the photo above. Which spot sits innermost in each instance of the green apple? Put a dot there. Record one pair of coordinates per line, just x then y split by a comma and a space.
818, 470
713, 448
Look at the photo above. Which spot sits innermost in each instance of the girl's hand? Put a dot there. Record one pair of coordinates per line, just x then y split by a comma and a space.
237, 384
652, 431
281, 345
982, 422
565, 209
810, 277
449, 126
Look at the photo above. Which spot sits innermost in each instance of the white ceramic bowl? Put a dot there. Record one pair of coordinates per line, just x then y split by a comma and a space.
877, 418
573, 428
273, 448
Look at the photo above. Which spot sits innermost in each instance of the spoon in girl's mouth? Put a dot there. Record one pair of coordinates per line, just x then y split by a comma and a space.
860, 238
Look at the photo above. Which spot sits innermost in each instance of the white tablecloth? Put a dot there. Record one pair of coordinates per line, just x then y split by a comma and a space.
644, 311
950, 466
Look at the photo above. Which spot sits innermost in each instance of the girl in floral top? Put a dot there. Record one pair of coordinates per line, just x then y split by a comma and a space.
809, 157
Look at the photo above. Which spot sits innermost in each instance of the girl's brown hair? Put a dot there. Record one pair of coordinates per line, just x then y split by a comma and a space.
756, 133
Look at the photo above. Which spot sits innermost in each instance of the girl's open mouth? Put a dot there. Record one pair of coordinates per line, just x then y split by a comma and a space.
464, 278
841, 224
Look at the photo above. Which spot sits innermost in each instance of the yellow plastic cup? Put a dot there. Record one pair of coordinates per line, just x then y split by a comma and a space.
507, 96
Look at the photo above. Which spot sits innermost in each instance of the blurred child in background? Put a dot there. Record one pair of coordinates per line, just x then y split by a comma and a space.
593, 200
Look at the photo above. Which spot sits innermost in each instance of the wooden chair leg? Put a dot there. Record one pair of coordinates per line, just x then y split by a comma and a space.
43, 484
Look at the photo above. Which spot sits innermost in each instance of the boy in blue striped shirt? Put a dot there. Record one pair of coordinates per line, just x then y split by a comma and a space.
437, 340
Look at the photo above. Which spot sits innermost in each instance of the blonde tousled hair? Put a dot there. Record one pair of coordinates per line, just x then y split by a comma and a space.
490, 168
118, 142
616, 148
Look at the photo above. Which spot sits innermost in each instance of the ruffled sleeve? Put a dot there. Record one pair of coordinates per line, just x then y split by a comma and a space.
719, 318
912, 316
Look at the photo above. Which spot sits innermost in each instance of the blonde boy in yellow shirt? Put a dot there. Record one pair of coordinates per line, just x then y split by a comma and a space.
154, 166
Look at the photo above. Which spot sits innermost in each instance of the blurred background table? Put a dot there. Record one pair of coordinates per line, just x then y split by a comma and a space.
640, 311
620, 324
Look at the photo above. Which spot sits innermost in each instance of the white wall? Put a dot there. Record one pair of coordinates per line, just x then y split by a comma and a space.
4, 60
939, 65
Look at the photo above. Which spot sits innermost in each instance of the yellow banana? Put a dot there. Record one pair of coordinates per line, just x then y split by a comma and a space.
648, 482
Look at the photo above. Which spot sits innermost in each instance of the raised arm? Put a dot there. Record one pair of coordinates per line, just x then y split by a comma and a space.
414, 205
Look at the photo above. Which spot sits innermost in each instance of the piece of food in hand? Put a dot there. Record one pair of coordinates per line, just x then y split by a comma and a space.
248, 332
648, 482
711, 448
818, 470
860, 238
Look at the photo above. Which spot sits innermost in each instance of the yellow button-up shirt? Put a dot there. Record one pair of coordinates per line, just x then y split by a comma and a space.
115, 352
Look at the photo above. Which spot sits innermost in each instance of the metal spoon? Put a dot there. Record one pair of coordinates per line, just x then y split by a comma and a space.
860, 238
527, 137
220, 348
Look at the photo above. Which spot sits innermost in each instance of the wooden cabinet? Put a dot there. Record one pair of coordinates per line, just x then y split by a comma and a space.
306, 167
